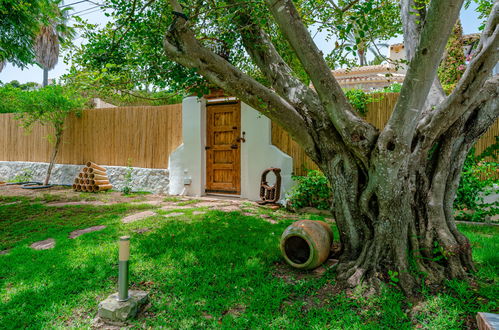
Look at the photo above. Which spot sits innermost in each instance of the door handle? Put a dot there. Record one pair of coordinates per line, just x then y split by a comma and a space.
242, 138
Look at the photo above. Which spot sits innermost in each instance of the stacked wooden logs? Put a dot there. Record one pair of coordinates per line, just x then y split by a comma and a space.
92, 178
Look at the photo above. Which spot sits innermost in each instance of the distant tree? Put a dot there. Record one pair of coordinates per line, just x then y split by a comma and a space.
363, 47
49, 106
49, 39
20, 22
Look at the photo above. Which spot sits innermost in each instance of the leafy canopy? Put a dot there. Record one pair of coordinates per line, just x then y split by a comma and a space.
50, 105
128, 52
20, 22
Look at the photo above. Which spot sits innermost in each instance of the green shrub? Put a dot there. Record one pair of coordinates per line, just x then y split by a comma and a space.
312, 190
24, 176
8, 99
478, 179
127, 189
393, 88
360, 99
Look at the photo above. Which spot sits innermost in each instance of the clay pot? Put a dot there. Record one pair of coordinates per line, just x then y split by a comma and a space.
306, 243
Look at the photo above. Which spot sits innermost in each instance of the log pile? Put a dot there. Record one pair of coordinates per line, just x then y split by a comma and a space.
92, 178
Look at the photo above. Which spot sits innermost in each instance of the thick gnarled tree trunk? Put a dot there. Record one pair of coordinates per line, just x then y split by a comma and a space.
393, 189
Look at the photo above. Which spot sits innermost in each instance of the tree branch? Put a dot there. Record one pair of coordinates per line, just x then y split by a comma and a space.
261, 49
412, 19
471, 89
356, 133
181, 46
422, 71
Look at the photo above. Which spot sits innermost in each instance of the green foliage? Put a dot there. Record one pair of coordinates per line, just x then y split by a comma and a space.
393, 88
478, 179
127, 54
311, 190
483, 9
11, 95
9, 99
360, 99
127, 189
25, 87
357, 29
453, 65
50, 105
24, 176
231, 260
394, 277
20, 22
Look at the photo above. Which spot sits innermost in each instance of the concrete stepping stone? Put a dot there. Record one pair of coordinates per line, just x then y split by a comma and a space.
152, 203
57, 204
176, 207
268, 218
46, 244
79, 232
174, 214
211, 204
230, 208
4, 251
11, 203
198, 212
138, 216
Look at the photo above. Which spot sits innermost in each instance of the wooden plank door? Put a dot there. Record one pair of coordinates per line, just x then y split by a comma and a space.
223, 148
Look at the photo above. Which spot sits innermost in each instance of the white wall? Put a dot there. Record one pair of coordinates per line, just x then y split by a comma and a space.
187, 162
258, 154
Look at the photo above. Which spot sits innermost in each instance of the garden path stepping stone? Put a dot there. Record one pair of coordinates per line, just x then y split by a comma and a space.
4, 251
11, 203
230, 208
76, 203
153, 203
211, 204
46, 244
138, 216
79, 232
198, 212
175, 207
174, 214
268, 218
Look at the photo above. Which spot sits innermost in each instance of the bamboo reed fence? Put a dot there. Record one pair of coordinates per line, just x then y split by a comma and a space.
147, 135
378, 114
139, 136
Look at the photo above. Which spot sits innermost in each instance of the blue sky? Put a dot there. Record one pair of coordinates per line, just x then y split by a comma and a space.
91, 12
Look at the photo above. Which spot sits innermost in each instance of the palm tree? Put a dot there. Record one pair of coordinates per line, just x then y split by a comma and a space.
47, 50
49, 39
2, 65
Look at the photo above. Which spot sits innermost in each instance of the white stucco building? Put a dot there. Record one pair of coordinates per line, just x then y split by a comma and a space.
226, 147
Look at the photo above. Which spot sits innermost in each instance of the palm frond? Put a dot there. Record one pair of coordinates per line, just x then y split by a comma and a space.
47, 47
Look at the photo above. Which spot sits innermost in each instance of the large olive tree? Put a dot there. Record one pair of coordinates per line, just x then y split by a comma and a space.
393, 188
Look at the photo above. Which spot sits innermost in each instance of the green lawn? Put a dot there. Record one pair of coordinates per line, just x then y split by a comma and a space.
220, 270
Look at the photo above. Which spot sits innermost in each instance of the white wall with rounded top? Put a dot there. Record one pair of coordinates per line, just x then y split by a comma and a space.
258, 154
188, 164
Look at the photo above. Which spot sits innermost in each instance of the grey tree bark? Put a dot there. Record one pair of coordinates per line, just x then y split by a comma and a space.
393, 189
